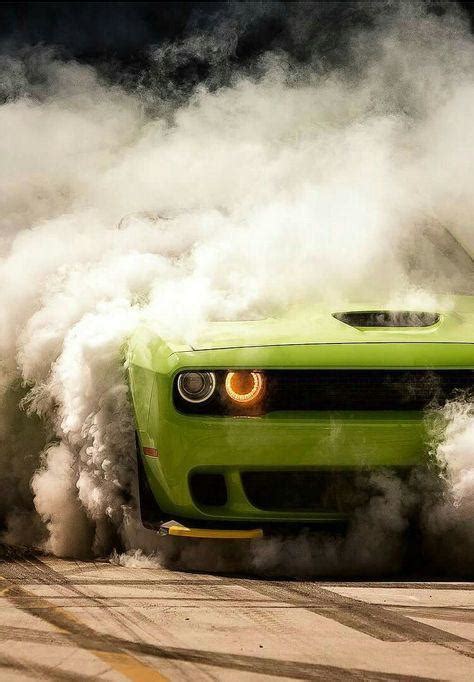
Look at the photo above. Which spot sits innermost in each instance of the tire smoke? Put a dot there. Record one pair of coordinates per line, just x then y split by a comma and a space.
283, 184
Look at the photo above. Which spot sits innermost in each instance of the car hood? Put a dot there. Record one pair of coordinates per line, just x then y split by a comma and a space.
317, 324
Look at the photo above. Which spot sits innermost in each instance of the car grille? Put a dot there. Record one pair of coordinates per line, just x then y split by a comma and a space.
366, 389
341, 389
316, 491
208, 489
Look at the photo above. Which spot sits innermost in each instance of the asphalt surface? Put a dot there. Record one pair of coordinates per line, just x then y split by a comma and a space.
70, 620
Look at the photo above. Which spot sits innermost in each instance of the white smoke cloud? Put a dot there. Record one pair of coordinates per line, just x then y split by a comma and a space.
288, 186
447, 515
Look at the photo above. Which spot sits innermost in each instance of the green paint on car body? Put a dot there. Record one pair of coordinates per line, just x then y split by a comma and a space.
303, 338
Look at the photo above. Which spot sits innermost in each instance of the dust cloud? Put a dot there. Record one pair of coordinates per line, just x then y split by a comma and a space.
279, 184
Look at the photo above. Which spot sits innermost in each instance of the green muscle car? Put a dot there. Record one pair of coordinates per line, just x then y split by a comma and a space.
269, 422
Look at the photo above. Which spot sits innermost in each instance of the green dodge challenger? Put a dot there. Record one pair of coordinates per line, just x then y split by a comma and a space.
270, 422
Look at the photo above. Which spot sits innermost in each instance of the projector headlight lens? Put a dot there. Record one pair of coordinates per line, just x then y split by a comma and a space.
196, 387
244, 387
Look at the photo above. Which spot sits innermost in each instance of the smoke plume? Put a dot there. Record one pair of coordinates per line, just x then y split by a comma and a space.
287, 182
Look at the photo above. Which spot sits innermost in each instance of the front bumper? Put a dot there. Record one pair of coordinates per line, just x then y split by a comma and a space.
187, 445
278, 441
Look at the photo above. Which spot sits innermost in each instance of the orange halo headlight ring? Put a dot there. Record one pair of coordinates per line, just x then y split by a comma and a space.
245, 387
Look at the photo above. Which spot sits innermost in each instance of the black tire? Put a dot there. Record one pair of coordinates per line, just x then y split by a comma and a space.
150, 511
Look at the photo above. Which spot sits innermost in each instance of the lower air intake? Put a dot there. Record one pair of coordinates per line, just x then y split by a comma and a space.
310, 491
208, 490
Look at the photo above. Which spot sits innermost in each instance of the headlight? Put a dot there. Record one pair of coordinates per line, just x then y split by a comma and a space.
196, 387
244, 386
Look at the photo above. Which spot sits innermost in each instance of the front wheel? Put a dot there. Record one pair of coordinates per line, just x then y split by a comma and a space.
150, 512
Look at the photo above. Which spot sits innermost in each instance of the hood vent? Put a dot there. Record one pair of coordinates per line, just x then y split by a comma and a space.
387, 318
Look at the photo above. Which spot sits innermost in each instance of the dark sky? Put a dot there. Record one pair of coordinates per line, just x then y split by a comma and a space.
124, 30
124, 33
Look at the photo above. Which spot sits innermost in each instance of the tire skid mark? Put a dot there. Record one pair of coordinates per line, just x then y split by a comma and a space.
104, 603
268, 619
40, 573
83, 636
10, 632
371, 619
456, 614
42, 607
37, 671
88, 567
126, 621
240, 662
21, 565
139, 620
444, 585
118, 653
148, 583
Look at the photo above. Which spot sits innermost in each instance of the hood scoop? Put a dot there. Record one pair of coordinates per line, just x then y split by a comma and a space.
368, 319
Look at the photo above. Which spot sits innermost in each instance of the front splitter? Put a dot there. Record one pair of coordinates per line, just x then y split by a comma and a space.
179, 530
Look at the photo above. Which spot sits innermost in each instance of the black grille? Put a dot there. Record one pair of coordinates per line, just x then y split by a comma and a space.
208, 489
341, 389
316, 491
365, 389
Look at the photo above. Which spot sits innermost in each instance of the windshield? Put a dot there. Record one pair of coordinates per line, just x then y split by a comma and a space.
437, 261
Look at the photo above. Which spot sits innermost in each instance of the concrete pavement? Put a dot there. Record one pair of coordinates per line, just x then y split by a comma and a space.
69, 620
